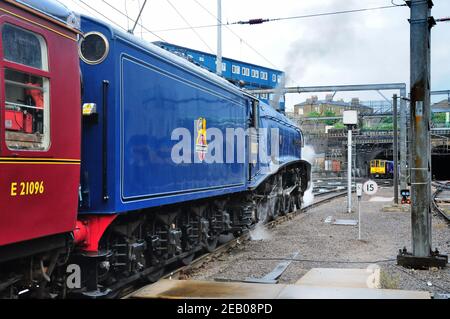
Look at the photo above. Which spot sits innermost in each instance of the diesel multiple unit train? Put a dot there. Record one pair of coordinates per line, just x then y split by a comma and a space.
381, 169
96, 188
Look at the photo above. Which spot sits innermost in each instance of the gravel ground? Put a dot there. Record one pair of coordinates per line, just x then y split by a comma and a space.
322, 245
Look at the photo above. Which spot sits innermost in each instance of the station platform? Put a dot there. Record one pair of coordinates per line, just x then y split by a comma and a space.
318, 283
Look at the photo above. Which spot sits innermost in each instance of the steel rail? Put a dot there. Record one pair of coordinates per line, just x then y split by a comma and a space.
440, 187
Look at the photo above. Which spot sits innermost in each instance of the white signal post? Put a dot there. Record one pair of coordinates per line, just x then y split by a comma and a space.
350, 120
359, 192
369, 188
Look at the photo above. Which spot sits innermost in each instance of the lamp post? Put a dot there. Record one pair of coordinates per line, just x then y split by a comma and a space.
350, 120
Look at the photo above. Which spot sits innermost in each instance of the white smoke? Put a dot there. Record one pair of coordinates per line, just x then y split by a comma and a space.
308, 197
309, 155
260, 233
279, 93
319, 48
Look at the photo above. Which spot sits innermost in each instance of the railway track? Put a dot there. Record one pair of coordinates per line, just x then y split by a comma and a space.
327, 185
183, 272
441, 203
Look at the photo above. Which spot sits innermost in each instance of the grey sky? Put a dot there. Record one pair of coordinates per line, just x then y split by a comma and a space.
358, 48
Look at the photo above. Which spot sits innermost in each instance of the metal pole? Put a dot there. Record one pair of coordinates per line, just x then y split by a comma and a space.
403, 141
359, 218
333, 88
420, 120
139, 16
395, 150
219, 38
349, 172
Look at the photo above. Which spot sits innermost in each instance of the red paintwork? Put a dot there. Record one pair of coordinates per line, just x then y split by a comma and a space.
90, 229
27, 217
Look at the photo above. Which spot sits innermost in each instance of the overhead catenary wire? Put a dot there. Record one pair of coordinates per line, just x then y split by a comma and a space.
75, 3
259, 21
127, 14
190, 27
82, 7
142, 35
139, 15
235, 34
114, 22
101, 14
315, 15
129, 18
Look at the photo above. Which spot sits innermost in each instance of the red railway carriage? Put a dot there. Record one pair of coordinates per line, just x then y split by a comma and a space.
40, 131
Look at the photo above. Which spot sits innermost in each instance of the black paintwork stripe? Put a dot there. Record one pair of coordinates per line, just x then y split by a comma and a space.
38, 160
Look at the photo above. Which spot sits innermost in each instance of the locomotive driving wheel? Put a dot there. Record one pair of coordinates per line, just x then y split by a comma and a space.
211, 244
274, 207
211, 238
288, 204
298, 200
262, 210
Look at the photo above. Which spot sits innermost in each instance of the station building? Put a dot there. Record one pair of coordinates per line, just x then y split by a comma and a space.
321, 107
242, 74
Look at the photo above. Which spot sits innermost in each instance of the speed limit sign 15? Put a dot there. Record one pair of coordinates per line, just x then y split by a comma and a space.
370, 188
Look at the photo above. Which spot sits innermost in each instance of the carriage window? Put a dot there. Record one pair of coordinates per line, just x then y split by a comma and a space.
26, 111
24, 47
26, 114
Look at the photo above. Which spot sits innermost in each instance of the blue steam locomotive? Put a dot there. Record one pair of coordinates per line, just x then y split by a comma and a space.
176, 200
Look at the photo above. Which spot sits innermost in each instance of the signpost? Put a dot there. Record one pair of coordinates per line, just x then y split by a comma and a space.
359, 192
370, 188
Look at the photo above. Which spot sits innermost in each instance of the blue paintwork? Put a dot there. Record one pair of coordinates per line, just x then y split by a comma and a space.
389, 167
289, 148
151, 93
